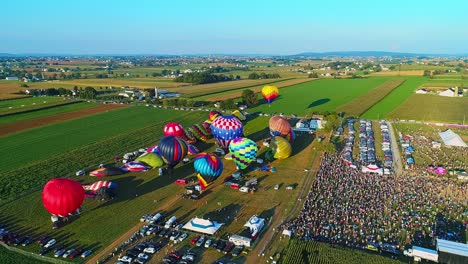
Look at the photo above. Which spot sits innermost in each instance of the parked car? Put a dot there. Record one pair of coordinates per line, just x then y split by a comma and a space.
143, 256
126, 259
228, 247
28, 240
189, 256
200, 241
86, 253
75, 253
45, 251
175, 254
59, 253
80, 173
68, 253
43, 240
221, 245
208, 243
237, 251
194, 240
150, 250
50, 243
183, 237
174, 236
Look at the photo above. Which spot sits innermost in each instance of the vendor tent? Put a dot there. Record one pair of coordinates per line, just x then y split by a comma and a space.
287, 233
202, 226
451, 139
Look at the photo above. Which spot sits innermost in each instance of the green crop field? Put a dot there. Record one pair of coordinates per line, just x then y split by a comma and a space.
319, 95
395, 98
427, 107
9, 257
27, 103
360, 104
41, 143
45, 112
298, 252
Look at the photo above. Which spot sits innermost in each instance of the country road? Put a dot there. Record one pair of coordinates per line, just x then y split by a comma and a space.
397, 163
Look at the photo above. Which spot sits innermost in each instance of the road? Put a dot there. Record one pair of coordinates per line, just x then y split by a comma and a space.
397, 163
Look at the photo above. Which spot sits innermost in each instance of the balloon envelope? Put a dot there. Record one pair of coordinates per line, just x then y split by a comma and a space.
244, 151
173, 129
209, 167
281, 148
225, 129
62, 196
270, 93
213, 114
279, 126
172, 150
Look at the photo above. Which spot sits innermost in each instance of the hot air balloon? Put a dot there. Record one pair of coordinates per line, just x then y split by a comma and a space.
281, 148
243, 151
239, 115
209, 167
279, 126
291, 136
62, 196
192, 150
172, 150
225, 129
212, 115
176, 129
270, 93
199, 132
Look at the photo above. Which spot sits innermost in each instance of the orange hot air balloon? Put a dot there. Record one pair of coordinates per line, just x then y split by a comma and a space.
279, 126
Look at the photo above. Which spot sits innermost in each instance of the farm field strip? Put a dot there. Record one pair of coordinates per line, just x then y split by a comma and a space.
257, 89
18, 126
319, 95
399, 73
428, 107
22, 104
395, 98
44, 142
44, 112
360, 104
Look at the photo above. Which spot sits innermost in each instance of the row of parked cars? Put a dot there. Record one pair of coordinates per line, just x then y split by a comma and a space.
367, 142
47, 243
142, 252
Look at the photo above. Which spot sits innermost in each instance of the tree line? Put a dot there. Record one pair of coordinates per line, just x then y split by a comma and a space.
254, 76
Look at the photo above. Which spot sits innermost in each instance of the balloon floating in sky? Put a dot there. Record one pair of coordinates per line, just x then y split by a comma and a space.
62, 197
225, 129
270, 93
243, 151
209, 167
172, 150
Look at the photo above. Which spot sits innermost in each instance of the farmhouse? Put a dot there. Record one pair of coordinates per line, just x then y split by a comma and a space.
161, 94
134, 93
308, 126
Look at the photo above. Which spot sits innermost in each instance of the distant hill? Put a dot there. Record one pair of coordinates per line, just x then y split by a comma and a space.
366, 54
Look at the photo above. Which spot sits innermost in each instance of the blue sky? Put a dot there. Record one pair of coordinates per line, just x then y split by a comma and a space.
232, 26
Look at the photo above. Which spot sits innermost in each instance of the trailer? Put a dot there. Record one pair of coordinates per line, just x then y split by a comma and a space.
419, 253
170, 222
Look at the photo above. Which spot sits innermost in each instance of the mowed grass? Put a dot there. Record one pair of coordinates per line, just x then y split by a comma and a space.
429, 107
319, 95
45, 112
29, 103
395, 98
360, 104
102, 222
44, 142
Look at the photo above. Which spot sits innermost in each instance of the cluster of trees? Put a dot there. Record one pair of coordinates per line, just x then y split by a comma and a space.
254, 76
313, 75
179, 102
249, 97
228, 104
88, 93
203, 77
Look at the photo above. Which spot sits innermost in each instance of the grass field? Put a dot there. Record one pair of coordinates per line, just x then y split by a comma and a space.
299, 252
319, 95
45, 112
41, 143
27, 103
8, 89
238, 92
427, 107
399, 73
9, 257
141, 193
395, 98
360, 104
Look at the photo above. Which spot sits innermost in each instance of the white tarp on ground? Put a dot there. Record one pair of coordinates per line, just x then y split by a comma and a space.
450, 138
372, 168
202, 226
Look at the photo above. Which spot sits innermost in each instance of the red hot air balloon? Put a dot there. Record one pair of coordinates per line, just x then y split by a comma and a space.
62, 196
174, 129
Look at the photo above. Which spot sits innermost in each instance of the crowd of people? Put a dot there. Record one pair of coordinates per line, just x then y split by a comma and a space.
355, 209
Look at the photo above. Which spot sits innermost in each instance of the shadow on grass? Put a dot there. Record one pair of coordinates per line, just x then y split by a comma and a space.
319, 102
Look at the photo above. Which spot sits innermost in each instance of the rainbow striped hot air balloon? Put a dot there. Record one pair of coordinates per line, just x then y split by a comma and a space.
172, 150
209, 167
225, 129
270, 93
244, 151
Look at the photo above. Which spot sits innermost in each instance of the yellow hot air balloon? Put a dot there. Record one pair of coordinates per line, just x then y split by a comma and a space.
281, 148
270, 93
239, 115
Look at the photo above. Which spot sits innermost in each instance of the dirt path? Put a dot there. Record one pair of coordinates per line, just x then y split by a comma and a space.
47, 120
265, 241
397, 165
167, 205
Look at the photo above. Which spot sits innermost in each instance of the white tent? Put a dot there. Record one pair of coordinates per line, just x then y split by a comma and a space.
372, 168
287, 232
451, 139
255, 224
202, 226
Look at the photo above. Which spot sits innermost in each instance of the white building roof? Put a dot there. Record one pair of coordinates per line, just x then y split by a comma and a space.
450, 138
202, 226
452, 247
